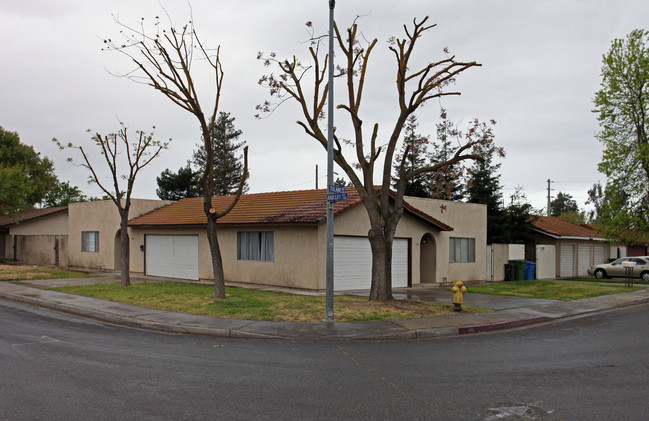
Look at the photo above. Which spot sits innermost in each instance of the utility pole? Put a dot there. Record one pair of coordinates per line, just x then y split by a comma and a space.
330, 173
549, 196
316, 176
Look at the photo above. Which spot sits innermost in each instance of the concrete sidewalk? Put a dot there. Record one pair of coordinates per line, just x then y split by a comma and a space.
511, 312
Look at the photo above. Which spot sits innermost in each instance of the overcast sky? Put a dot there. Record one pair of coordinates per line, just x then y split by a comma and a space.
540, 69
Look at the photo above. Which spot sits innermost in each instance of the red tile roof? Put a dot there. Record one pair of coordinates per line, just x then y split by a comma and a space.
29, 214
288, 207
559, 228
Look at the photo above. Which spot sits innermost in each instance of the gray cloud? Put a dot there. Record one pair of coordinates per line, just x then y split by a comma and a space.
541, 63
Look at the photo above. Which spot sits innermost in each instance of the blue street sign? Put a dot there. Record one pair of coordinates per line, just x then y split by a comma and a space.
335, 197
336, 189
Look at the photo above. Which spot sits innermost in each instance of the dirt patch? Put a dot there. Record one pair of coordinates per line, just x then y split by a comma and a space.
24, 275
23, 272
4, 267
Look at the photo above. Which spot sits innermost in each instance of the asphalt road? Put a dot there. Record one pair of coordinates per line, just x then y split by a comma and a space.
56, 367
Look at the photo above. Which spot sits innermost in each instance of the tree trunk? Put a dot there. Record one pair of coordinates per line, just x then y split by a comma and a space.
381, 288
124, 257
217, 261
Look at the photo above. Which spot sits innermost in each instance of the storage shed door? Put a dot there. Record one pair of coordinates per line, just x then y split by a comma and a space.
172, 256
567, 264
353, 263
584, 259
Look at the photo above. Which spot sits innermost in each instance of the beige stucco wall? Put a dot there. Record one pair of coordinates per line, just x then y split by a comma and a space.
41, 250
47, 225
517, 252
296, 257
469, 220
500, 258
300, 250
295, 263
34, 240
100, 216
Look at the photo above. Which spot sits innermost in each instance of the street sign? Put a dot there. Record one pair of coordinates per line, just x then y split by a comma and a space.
335, 197
336, 189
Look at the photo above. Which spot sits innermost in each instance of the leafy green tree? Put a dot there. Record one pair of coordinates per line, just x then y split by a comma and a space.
178, 185
622, 107
228, 168
25, 177
595, 198
519, 220
413, 154
445, 183
563, 203
575, 217
484, 187
62, 194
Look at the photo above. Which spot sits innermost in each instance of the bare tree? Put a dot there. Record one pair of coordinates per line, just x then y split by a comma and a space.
414, 88
164, 61
138, 155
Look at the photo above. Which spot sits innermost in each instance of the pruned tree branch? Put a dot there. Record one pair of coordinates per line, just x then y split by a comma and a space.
414, 88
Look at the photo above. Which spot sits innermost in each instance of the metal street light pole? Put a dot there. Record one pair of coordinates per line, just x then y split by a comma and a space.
330, 172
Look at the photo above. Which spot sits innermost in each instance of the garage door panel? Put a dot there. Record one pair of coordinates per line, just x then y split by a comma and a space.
567, 263
353, 263
172, 256
600, 255
584, 259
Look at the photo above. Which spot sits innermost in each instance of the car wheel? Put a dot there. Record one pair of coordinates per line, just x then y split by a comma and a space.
645, 276
600, 274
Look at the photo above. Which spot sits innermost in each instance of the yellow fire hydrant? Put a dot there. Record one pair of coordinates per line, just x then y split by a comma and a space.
458, 289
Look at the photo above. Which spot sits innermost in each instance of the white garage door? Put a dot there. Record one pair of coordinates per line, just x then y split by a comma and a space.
353, 263
584, 259
567, 264
172, 256
600, 255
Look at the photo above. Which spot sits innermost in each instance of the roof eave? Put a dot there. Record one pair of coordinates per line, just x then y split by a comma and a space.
568, 237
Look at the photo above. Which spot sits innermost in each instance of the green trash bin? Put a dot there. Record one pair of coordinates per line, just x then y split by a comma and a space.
519, 269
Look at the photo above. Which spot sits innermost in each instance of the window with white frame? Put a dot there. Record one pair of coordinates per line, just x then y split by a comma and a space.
90, 241
462, 250
256, 245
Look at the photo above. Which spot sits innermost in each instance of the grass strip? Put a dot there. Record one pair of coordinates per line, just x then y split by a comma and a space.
607, 281
551, 290
250, 304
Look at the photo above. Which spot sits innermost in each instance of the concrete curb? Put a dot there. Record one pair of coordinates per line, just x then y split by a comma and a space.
464, 330
180, 323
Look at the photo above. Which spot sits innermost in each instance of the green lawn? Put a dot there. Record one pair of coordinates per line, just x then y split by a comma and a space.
553, 290
608, 281
252, 304
24, 272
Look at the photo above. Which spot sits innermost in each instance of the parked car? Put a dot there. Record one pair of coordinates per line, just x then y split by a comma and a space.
617, 270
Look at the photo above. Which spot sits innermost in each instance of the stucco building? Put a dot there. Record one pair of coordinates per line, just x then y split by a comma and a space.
276, 239
280, 239
80, 235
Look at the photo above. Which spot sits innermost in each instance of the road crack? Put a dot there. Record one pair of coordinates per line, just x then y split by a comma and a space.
386, 380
